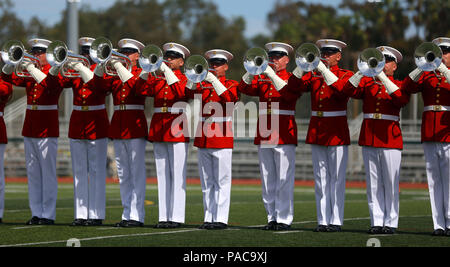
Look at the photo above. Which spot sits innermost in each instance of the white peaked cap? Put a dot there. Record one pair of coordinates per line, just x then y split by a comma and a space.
85, 41
281, 47
177, 48
36, 42
331, 43
390, 51
131, 43
219, 53
442, 41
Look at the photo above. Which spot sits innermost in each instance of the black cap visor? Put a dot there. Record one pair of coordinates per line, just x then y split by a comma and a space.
329, 50
128, 50
38, 50
277, 54
172, 54
389, 58
217, 61
445, 49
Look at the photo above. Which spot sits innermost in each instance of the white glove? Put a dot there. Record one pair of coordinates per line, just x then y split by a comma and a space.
415, 74
356, 79
328, 76
247, 78
37, 74
54, 70
122, 72
99, 70
85, 73
143, 75
298, 72
8, 69
171, 78
191, 85
390, 86
277, 82
218, 86
445, 71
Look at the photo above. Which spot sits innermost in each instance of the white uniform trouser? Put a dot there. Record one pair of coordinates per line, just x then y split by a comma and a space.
329, 166
170, 161
437, 158
215, 175
2, 179
40, 157
89, 173
382, 167
130, 160
277, 168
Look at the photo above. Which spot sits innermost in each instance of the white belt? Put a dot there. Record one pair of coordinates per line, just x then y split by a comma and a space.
276, 112
436, 108
379, 116
89, 108
329, 113
217, 119
128, 107
167, 109
42, 107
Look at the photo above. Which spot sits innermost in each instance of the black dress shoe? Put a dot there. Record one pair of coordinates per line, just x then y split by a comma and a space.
321, 228
78, 222
93, 222
334, 228
173, 224
34, 220
270, 226
162, 225
217, 226
133, 223
438, 232
44, 221
282, 227
388, 230
1, 220
447, 231
375, 230
122, 223
205, 225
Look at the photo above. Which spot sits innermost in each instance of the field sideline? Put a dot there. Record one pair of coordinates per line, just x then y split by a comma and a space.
247, 215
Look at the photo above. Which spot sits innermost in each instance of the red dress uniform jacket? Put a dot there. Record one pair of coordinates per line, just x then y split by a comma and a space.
218, 134
162, 126
39, 123
127, 123
87, 124
5, 95
379, 132
325, 131
435, 92
262, 87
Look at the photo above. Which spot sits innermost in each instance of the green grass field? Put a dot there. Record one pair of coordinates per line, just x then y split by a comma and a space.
246, 216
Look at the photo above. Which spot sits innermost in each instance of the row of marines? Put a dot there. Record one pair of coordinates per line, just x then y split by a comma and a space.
330, 88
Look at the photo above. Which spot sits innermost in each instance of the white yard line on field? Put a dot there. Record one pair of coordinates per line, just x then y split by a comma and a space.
98, 238
27, 227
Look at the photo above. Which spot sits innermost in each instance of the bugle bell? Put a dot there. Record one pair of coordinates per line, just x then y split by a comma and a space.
151, 58
196, 68
58, 55
256, 60
307, 57
371, 62
428, 56
13, 53
102, 52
